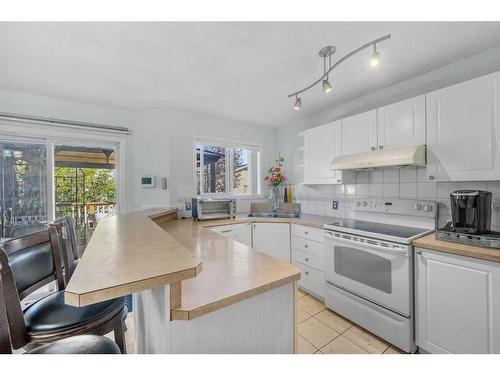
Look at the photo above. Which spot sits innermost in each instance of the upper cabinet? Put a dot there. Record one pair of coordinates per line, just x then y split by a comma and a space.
463, 131
401, 124
359, 133
321, 145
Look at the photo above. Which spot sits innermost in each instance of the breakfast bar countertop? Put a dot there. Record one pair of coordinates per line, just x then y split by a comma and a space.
126, 254
143, 250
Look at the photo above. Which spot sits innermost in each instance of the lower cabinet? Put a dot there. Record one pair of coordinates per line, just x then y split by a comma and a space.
457, 303
272, 239
311, 280
308, 254
238, 232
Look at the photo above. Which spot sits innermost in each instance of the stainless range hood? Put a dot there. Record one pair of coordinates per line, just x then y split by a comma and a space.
414, 155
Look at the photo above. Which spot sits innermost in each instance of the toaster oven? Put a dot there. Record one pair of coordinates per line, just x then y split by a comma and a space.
213, 208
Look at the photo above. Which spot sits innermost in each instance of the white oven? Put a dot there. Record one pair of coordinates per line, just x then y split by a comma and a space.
377, 270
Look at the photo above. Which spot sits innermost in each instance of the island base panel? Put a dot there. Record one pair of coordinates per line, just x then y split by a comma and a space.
261, 324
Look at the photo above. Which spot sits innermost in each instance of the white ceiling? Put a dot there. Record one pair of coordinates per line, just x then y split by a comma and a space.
241, 71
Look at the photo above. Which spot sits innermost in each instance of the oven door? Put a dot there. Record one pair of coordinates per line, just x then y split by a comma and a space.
379, 271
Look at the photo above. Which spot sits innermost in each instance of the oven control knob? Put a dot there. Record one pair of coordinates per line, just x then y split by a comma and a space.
365, 203
417, 207
358, 203
428, 208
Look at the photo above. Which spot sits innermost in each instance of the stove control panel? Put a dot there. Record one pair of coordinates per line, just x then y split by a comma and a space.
397, 206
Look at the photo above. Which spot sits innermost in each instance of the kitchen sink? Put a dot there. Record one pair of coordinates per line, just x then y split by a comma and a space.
274, 214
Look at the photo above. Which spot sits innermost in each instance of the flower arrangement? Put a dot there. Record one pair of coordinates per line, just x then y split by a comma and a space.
274, 176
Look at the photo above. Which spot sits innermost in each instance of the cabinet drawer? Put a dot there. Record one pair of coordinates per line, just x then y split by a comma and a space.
311, 247
311, 280
310, 233
227, 229
308, 259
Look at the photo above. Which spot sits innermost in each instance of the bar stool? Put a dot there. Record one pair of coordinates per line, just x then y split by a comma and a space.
32, 261
66, 232
85, 344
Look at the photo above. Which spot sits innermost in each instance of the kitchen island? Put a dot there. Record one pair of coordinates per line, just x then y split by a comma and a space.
194, 291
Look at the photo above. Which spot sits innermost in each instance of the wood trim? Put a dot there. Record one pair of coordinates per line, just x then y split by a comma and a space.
36, 286
5, 347
15, 316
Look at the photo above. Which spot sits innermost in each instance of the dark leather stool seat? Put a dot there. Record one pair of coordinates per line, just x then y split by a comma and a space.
85, 344
52, 314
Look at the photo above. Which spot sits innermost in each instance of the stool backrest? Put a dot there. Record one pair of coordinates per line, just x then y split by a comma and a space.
28, 263
5, 347
66, 233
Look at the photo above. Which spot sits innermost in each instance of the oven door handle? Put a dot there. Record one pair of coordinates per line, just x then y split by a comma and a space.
400, 251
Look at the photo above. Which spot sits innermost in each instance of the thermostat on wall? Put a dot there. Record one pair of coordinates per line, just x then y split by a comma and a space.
148, 181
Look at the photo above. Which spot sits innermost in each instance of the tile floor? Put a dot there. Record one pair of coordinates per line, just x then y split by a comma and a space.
322, 331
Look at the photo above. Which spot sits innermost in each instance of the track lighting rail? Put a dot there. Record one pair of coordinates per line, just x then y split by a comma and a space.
326, 73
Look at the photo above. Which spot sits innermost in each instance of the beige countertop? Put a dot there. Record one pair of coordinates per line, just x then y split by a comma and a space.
129, 253
430, 242
138, 251
232, 271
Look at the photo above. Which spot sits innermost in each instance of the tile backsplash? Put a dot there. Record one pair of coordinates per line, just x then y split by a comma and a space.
395, 183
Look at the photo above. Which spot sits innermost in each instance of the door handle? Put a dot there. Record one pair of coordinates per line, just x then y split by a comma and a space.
226, 231
306, 246
306, 259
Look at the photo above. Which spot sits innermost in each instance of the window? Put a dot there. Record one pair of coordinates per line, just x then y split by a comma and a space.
223, 167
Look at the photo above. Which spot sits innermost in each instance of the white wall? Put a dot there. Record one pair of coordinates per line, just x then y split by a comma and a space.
160, 144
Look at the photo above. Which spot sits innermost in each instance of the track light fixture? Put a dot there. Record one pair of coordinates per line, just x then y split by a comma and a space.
326, 53
375, 60
327, 87
298, 103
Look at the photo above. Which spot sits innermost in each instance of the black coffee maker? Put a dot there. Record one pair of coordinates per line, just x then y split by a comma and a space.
471, 211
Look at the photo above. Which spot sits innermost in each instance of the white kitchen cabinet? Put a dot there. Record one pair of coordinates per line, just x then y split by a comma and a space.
359, 133
401, 124
238, 232
308, 253
311, 280
272, 239
463, 131
457, 303
321, 145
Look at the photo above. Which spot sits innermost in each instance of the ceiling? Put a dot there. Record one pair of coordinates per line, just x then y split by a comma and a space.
241, 71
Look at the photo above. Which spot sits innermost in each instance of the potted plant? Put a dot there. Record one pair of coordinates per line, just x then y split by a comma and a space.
275, 179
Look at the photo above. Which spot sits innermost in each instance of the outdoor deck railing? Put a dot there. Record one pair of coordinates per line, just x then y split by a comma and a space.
86, 216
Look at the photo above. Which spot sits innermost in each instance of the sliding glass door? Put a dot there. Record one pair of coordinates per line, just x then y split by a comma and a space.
48, 179
84, 186
23, 187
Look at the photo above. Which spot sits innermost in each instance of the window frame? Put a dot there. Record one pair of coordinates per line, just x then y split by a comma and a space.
10, 130
231, 145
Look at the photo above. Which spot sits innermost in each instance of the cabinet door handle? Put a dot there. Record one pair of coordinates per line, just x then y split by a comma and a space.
307, 272
306, 246
431, 177
306, 233
306, 259
418, 251
226, 231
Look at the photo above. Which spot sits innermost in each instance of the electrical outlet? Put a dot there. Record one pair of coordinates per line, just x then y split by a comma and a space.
335, 205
